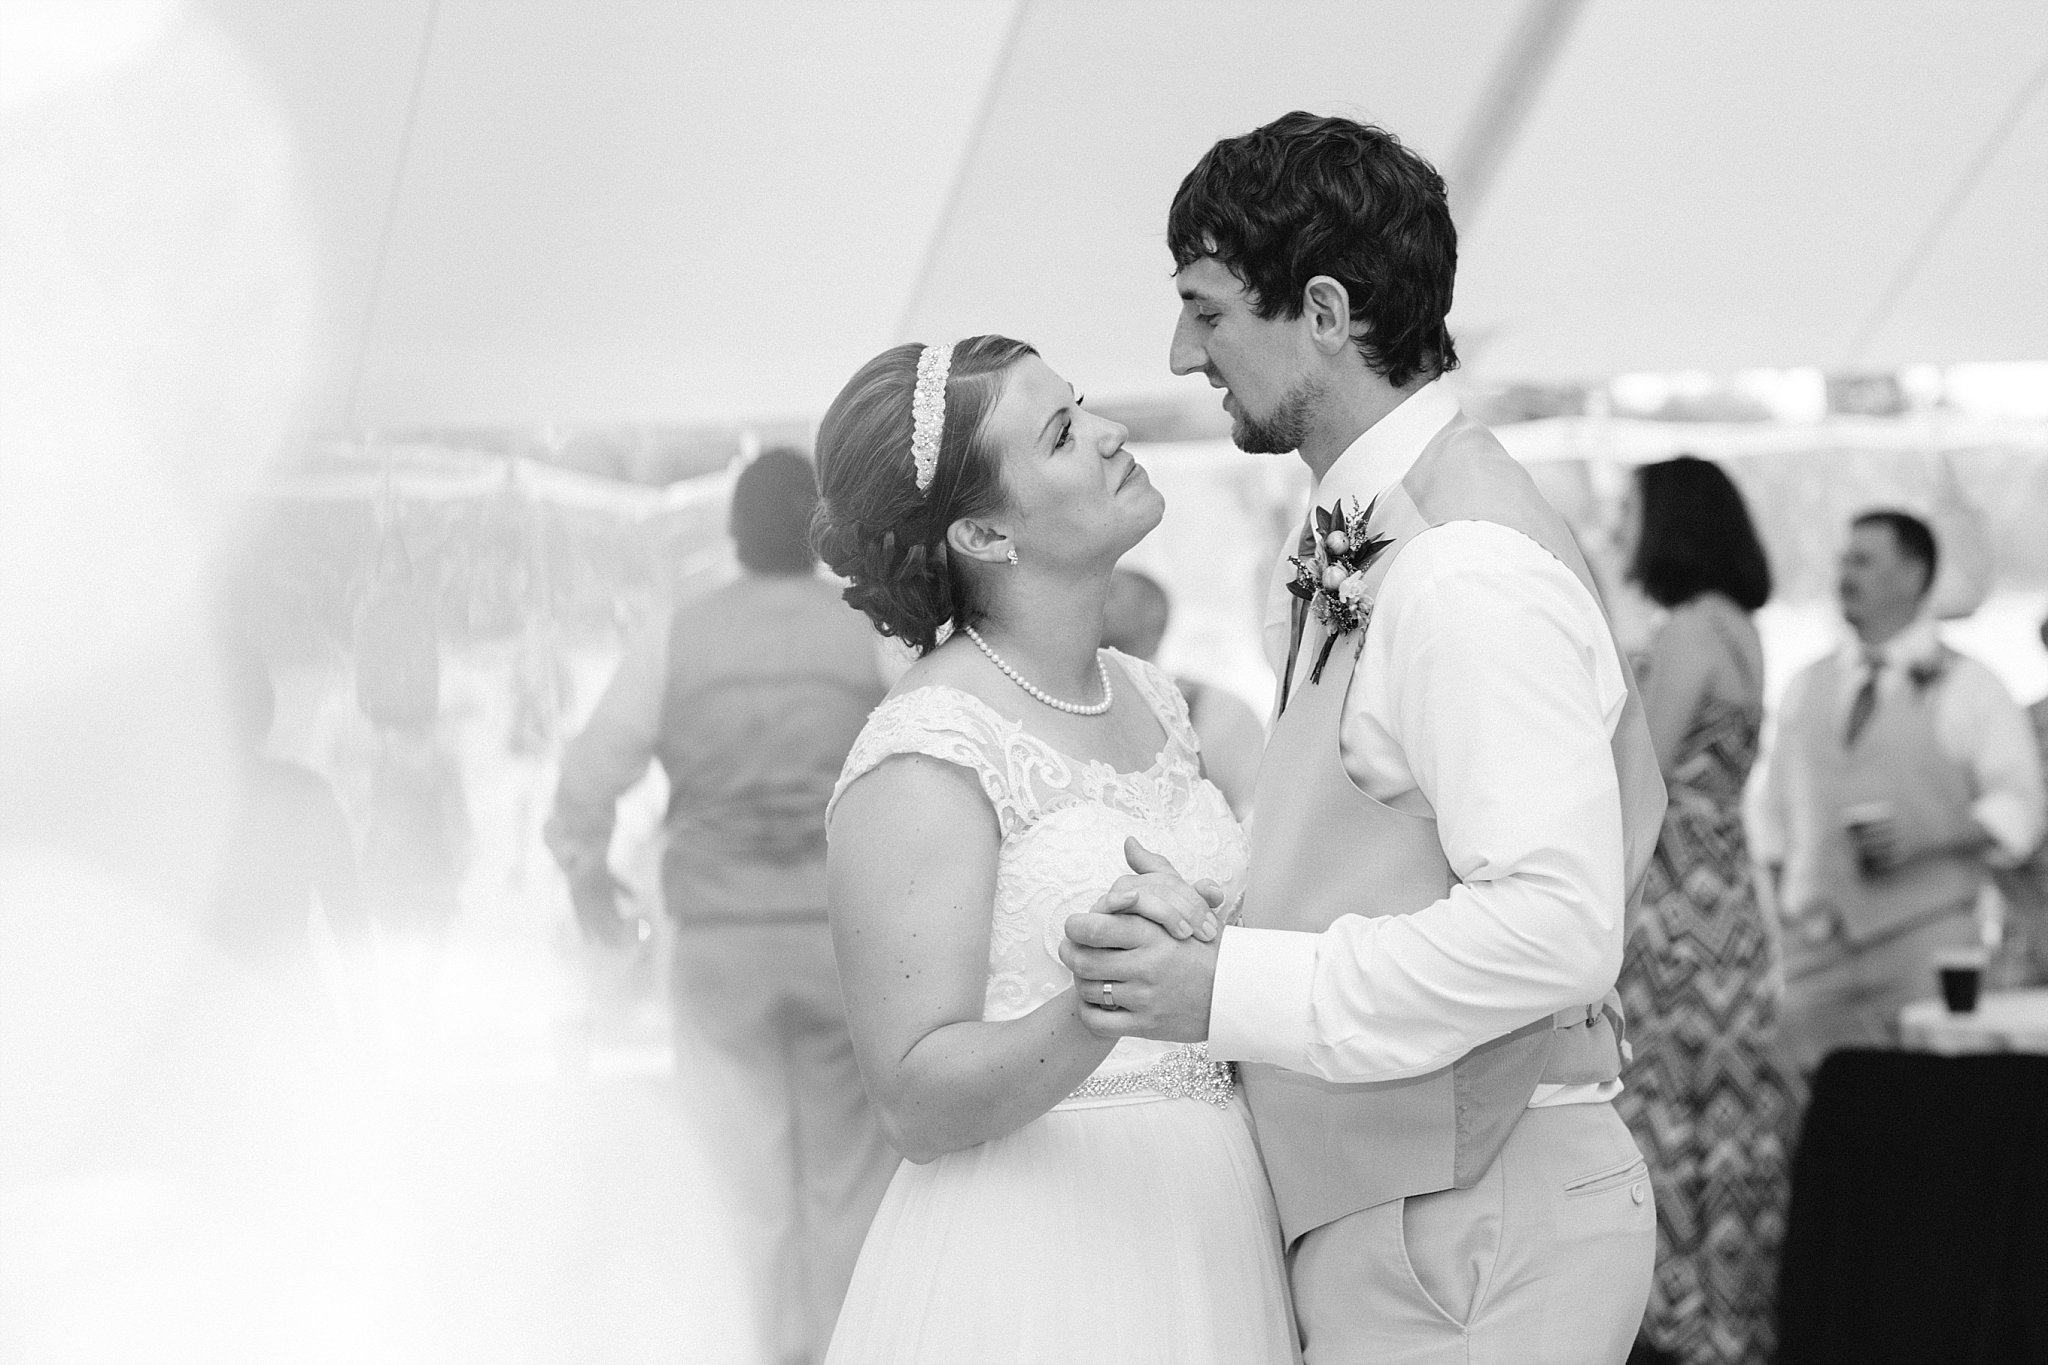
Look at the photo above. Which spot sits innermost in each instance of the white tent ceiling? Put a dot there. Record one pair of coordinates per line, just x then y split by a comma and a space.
559, 210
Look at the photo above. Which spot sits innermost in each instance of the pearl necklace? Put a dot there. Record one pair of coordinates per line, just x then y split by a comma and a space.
1072, 708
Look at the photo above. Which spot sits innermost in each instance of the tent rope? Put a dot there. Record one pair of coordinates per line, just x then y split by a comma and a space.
350, 408
1518, 77
954, 192
1958, 195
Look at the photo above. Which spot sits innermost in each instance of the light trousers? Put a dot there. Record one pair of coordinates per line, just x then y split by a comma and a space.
1546, 1261
761, 1033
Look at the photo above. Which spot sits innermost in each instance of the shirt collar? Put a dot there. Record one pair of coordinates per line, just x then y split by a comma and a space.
1385, 451
1918, 643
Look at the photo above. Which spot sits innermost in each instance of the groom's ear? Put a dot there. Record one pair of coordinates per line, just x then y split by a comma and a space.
1326, 308
972, 538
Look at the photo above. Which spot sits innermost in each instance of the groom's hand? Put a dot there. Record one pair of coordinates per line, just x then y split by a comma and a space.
1137, 978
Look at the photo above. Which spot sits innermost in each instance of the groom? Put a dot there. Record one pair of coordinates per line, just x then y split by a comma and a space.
1458, 799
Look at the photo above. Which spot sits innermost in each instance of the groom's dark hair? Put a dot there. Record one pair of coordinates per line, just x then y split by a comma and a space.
1308, 195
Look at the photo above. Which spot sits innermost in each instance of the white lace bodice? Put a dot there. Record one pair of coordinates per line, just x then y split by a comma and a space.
1063, 823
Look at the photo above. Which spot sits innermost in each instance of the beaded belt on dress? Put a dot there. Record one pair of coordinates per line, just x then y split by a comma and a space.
1186, 1073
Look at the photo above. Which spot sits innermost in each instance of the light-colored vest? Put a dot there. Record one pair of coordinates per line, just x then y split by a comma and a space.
770, 680
1897, 761
1322, 849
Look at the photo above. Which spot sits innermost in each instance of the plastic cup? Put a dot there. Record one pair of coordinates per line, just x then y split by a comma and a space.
1961, 974
1857, 818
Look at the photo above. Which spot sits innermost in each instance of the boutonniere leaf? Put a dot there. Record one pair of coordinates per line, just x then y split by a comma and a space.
1331, 578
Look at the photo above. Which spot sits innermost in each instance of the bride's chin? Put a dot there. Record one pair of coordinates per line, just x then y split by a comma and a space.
1127, 543
1155, 514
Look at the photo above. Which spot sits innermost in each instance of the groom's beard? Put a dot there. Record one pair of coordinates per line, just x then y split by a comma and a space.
1283, 429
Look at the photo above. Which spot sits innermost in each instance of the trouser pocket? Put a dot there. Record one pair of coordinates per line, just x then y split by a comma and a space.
1450, 1241
1607, 1178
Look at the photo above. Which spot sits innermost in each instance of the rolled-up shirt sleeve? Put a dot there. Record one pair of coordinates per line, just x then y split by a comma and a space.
609, 755
1494, 680
2004, 766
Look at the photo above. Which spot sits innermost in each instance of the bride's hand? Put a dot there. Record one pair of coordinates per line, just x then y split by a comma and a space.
1156, 890
1140, 966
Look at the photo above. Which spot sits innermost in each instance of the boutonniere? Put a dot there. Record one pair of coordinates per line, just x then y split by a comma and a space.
1927, 673
1331, 579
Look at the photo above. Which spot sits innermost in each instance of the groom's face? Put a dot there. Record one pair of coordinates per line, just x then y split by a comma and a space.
1259, 363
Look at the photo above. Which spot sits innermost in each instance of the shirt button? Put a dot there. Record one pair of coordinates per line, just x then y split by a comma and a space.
1635, 1191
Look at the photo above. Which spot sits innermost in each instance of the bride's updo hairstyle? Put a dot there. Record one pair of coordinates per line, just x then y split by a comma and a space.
872, 525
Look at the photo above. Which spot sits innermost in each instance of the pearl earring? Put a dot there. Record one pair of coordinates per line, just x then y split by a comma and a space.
1013, 558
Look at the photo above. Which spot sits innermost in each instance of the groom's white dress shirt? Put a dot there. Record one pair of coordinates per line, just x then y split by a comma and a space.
1487, 694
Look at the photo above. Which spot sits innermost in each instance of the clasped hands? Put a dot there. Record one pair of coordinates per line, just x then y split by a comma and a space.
1144, 957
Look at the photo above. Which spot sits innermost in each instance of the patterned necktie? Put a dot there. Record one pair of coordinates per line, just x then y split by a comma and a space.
1297, 613
1865, 701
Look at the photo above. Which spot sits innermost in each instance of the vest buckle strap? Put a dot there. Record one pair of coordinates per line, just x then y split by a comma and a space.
1578, 1016
1590, 1046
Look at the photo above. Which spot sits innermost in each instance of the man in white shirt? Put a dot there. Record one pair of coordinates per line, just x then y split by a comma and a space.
1456, 804
1900, 774
2023, 950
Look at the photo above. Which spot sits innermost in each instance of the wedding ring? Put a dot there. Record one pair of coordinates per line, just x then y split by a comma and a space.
1109, 995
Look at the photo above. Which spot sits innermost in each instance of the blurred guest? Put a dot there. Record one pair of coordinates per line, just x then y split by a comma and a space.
1705, 1095
750, 698
2023, 955
1901, 773
542, 690
1232, 739
417, 842
417, 832
235, 1082
289, 863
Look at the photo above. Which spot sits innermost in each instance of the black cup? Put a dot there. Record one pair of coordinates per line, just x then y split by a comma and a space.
1961, 983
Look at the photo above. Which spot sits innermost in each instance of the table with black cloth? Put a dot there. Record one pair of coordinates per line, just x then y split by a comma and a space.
1918, 1229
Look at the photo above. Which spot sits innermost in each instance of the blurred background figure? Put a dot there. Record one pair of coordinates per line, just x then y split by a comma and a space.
1134, 621
238, 1075
1706, 1095
2023, 951
417, 836
288, 871
1901, 772
417, 846
750, 698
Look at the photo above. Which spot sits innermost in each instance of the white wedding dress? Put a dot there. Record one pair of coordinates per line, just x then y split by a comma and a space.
1131, 1223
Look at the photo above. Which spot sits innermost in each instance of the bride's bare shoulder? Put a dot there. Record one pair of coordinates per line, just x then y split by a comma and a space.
953, 665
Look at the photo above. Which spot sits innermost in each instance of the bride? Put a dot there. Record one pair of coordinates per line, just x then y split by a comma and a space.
1064, 1198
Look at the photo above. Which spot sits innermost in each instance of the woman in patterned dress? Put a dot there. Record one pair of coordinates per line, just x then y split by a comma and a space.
1064, 1198
1706, 1095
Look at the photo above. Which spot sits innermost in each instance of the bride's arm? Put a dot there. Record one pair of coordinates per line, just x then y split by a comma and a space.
912, 879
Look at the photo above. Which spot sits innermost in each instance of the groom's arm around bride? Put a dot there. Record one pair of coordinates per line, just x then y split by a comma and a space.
1457, 800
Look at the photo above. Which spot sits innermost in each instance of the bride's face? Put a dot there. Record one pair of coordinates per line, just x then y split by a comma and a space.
1076, 496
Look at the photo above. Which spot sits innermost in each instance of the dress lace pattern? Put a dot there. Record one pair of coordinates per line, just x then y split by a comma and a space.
1063, 823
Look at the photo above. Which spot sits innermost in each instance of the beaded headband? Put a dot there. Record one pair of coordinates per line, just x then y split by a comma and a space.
928, 411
